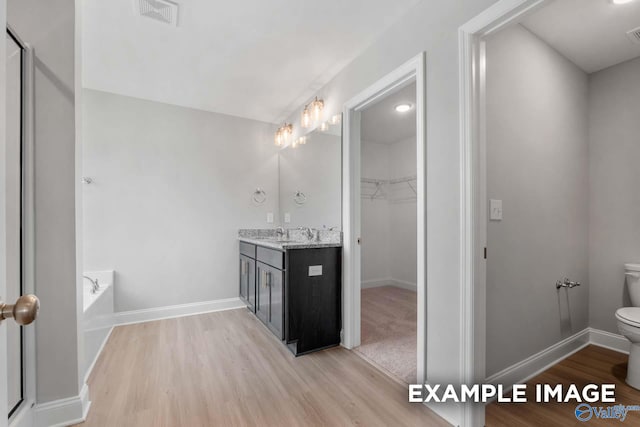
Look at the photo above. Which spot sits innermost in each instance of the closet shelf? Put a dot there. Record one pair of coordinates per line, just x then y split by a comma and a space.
376, 192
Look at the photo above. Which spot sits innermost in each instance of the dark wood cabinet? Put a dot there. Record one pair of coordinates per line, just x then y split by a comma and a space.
296, 293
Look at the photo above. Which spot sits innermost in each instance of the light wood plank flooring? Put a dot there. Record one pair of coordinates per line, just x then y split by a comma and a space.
226, 369
590, 365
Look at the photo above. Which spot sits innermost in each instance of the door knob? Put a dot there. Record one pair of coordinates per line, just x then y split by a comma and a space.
24, 311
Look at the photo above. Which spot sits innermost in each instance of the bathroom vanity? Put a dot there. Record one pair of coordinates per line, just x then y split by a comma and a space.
294, 287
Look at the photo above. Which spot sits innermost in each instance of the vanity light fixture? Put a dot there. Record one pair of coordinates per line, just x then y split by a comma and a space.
336, 119
403, 108
324, 126
311, 112
283, 133
302, 140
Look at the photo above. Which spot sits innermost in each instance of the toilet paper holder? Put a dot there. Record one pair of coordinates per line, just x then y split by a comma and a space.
566, 283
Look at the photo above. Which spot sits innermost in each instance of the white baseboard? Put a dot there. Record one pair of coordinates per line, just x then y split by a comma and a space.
541, 361
404, 285
608, 340
63, 412
159, 313
533, 365
376, 283
95, 359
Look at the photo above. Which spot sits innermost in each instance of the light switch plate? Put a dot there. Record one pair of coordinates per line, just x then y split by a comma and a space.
287, 217
315, 270
495, 210
270, 217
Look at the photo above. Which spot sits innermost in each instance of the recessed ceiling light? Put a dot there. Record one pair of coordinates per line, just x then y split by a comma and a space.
621, 1
403, 108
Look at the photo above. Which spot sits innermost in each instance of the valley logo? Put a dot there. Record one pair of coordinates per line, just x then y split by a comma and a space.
584, 412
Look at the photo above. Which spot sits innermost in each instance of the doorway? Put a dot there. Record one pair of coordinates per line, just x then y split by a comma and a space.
409, 75
388, 221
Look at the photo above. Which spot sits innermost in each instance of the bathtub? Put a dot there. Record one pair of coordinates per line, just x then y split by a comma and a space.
98, 315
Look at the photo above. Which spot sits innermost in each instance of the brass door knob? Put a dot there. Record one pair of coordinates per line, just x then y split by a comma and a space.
24, 311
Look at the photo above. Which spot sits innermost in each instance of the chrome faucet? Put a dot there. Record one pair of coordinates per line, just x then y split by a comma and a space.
95, 287
311, 234
281, 232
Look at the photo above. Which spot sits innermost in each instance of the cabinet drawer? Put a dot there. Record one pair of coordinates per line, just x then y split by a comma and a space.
248, 249
271, 257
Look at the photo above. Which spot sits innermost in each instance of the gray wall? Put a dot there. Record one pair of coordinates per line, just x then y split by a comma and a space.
172, 186
537, 163
614, 137
49, 27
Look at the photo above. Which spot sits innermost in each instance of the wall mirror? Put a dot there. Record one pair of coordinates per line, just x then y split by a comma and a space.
310, 178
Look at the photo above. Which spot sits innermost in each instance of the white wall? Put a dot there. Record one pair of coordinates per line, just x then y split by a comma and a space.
375, 226
537, 148
172, 186
614, 174
389, 225
403, 214
49, 28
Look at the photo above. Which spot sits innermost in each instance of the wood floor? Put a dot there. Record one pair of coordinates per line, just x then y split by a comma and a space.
590, 365
389, 330
226, 369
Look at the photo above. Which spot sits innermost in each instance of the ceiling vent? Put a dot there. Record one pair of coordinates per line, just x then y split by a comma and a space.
634, 35
160, 10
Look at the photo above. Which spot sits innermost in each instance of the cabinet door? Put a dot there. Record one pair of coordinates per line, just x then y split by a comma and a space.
262, 292
275, 280
248, 281
251, 284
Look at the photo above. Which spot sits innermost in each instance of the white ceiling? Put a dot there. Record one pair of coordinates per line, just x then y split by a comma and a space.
250, 58
591, 33
382, 124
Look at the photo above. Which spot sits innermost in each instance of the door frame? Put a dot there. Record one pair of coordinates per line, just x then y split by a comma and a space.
23, 416
412, 70
473, 191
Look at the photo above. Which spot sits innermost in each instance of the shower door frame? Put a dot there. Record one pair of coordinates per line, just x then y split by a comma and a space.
23, 415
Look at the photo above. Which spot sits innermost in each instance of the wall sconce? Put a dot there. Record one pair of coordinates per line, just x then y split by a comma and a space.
311, 112
283, 133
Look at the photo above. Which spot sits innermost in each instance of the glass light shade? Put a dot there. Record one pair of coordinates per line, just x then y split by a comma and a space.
305, 121
302, 140
336, 119
317, 107
278, 137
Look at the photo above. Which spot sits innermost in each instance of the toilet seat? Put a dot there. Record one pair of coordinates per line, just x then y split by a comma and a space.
629, 315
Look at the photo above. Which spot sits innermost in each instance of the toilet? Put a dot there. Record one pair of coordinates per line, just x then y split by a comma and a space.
629, 323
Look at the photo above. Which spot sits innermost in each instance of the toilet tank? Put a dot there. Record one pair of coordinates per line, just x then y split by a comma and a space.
632, 276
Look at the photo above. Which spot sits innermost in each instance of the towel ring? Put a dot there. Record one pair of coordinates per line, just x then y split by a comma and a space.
300, 198
259, 196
